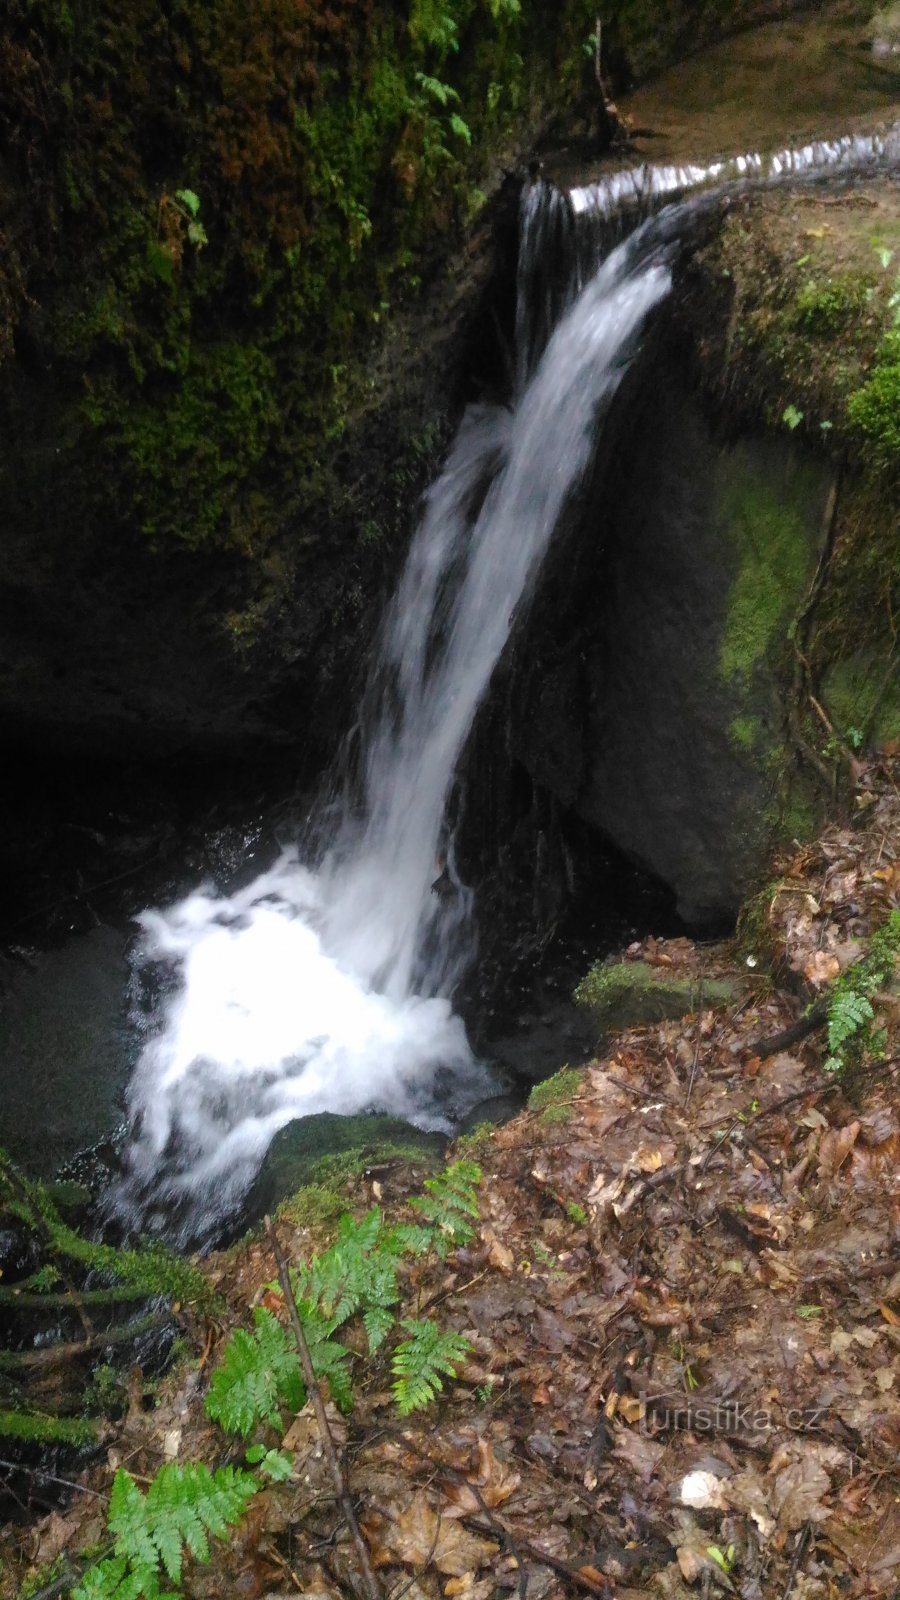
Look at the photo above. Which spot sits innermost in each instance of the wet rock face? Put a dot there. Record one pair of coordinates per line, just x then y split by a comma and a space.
655, 678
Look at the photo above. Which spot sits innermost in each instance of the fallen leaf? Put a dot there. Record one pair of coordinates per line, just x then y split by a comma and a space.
822, 967
703, 1491
835, 1148
420, 1536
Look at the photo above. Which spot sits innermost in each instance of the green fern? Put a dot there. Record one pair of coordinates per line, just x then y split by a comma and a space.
847, 1014
850, 1010
182, 1507
419, 1362
358, 1272
450, 1205
258, 1376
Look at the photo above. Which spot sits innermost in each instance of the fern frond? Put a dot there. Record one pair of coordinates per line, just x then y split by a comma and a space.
259, 1374
378, 1322
450, 1205
182, 1507
848, 1013
420, 1362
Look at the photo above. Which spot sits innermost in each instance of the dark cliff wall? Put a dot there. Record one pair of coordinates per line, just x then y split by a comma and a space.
210, 213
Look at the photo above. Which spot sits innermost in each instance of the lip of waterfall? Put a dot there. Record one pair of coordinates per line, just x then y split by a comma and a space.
327, 988
627, 195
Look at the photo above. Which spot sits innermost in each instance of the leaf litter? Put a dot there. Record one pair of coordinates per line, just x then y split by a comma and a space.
683, 1307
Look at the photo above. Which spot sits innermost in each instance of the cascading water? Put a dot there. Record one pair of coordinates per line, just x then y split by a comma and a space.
327, 986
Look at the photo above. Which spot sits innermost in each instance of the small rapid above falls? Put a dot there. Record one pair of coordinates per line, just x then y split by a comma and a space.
326, 985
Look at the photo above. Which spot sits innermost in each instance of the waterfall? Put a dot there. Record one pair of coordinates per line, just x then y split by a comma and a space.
327, 984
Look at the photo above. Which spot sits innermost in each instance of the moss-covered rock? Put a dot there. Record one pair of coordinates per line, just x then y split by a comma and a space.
629, 994
322, 1149
656, 680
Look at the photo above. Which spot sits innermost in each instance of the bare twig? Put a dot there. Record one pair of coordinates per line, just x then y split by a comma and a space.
336, 1466
690, 1087
575, 1575
49, 1477
802, 1541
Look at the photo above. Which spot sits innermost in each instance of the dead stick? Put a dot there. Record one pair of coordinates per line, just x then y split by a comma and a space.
690, 1088
815, 1018
579, 1578
338, 1472
802, 1541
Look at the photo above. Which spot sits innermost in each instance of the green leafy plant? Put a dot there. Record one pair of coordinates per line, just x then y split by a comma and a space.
358, 1275
259, 1375
450, 1205
724, 1559
182, 1507
791, 417
420, 1363
850, 1010
275, 1464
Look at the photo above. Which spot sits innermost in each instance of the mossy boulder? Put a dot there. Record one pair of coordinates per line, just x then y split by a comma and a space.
321, 1149
630, 994
656, 678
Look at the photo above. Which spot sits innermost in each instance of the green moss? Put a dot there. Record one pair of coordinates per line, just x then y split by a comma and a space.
746, 733
474, 1146
825, 306
799, 817
772, 544
862, 696
312, 1206
152, 1269
630, 994
874, 408
564, 1085
43, 1577
35, 1428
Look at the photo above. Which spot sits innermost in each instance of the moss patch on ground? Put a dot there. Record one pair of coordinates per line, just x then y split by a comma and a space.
629, 994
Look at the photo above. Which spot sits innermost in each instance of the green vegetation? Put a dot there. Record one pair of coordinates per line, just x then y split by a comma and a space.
181, 1508
874, 408
550, 1097
851, 1014
421, 1362
357, 1277
32, 1427
151, 1270
773, 552
629, 994
825, 306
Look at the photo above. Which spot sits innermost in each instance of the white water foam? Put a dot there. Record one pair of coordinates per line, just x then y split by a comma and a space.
327, 987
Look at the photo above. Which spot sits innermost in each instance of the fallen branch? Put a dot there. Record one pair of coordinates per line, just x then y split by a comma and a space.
336, 1467
809, 1023
576, 1575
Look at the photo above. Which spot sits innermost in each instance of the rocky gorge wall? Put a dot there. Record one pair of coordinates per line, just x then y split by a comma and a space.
230, 337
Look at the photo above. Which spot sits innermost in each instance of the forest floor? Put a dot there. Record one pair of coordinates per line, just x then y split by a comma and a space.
682, 1302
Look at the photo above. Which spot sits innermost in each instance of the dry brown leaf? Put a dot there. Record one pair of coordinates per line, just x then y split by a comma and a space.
494, 1481
835, 1148
420, 1536
796, 1496
822, 967
642, 1454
